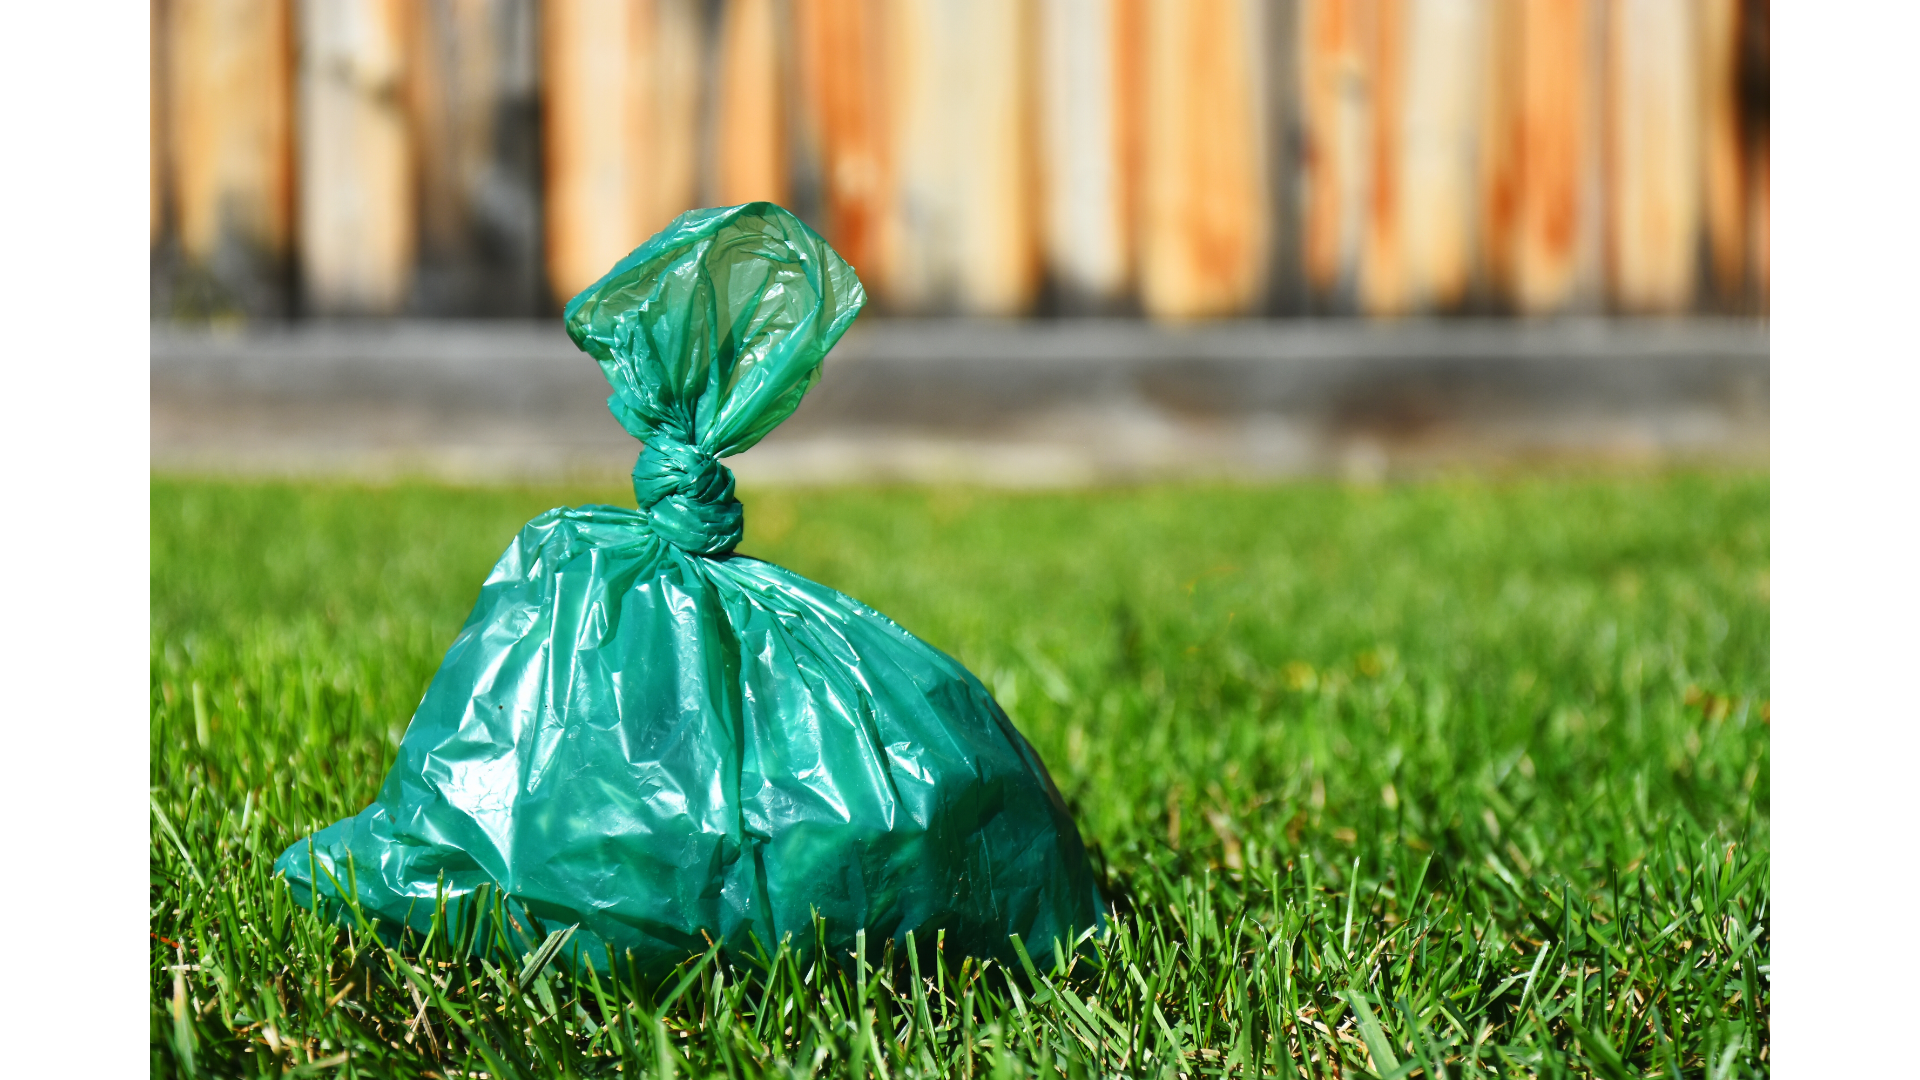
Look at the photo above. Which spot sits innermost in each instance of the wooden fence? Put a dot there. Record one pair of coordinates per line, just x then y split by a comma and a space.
1179, 158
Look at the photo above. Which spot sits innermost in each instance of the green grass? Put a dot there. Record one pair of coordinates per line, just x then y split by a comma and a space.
1451, 779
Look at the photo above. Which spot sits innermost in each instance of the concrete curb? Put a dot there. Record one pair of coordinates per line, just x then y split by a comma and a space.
1022, 403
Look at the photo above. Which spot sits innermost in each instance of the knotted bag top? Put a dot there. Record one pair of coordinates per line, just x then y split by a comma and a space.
710, 333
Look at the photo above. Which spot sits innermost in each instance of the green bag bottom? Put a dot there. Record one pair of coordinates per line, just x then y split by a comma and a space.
668, 750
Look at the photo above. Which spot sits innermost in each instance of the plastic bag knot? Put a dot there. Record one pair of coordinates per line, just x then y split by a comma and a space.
687, 496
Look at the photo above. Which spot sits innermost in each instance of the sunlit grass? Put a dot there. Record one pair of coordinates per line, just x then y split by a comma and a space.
1463, 776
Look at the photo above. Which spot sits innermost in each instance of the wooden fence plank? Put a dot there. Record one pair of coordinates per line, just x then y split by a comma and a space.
672, 55
751, 129
960, 219
991, 91
1654, 154
1723, 155
1562, 211
229, 149
158, 181
1541, 206
1205, 225
588, 126
1503, 146
473, 103
1089, 98
1286, 285
356, 171
844, 116
622, 106
1427, 63
918, 268
1335, 97
1381, 273
1755, 118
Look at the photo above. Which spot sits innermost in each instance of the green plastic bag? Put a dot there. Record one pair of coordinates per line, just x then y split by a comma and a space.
642, 735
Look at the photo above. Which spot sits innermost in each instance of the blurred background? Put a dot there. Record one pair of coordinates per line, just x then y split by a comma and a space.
1407, 226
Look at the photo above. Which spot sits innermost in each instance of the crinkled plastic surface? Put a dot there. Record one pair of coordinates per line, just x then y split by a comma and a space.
660, 742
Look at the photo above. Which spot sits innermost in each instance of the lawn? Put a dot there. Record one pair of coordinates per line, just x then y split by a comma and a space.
1458, 778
